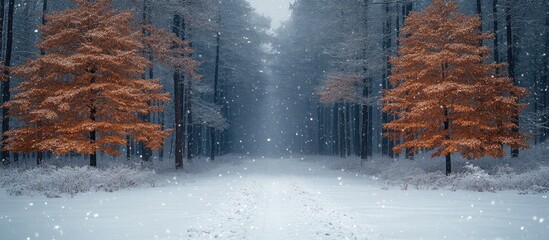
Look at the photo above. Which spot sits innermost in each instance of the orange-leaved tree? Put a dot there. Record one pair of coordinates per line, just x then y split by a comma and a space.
447, 97
339, 88
85, 94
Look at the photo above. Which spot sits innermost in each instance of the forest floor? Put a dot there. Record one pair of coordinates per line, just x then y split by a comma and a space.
275, 199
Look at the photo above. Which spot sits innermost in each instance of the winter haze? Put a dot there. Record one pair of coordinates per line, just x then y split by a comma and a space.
277, 10
274, 119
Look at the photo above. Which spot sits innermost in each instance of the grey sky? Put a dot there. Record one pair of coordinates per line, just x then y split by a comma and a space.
277, 10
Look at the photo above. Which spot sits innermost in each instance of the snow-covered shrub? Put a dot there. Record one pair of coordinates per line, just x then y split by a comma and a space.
527, 174
532, 181
58, 181
474, 178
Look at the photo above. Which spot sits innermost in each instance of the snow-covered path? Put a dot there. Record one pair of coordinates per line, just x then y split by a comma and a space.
276, 199
272, 201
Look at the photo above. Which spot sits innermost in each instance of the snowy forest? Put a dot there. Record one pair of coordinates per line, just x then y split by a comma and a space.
274, 119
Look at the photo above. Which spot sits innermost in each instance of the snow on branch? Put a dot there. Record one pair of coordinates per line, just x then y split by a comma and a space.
208, 114
339, 88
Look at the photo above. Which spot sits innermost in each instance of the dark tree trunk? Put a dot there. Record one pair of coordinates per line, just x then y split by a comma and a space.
44, 12
407, 8
199, 140
40, 155
179, 129
224, 135
214, 145
495, 13
370, 129
146, 153
329, 119
341, 124
357, 133
385, 141
3, 158
178, 104
496, 31
6, 95
347, 129
321, 130
190, 125
365, 111
335, 129
93, 118
479, 12
546, 76
365, 126
448, 164
39, 158
93, 156
395, 142
511, 61
128, 148
163, 126
188, 96
2, 15
448, 156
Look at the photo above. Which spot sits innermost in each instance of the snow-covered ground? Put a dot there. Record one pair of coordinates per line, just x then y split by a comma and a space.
275, 199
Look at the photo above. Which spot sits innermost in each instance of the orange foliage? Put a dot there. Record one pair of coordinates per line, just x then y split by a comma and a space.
169, 49
339, 88
447, 97
89, 81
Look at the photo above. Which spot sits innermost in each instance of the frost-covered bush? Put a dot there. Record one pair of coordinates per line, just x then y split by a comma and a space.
474, 178
527, 174
58, 181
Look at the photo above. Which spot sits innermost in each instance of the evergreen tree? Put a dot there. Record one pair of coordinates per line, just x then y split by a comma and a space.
447, 97
85, 93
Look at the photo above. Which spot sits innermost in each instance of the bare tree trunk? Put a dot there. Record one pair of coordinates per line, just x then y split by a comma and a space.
356, 130
511, 60
44, 12
365, 140
321, 130
146, 153
341, 126
387, 32
496, 31
448, 156
40, 155
407, 8
178, 104
334, 136
190, 127
214, 145
128, 148
479, 12
347, 129
4, 159
93, 135
93, 118
448, 164
6, 95
163, 126
546, 75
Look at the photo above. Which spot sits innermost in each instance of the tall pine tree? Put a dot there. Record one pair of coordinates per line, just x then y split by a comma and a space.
85, 93
447, 97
